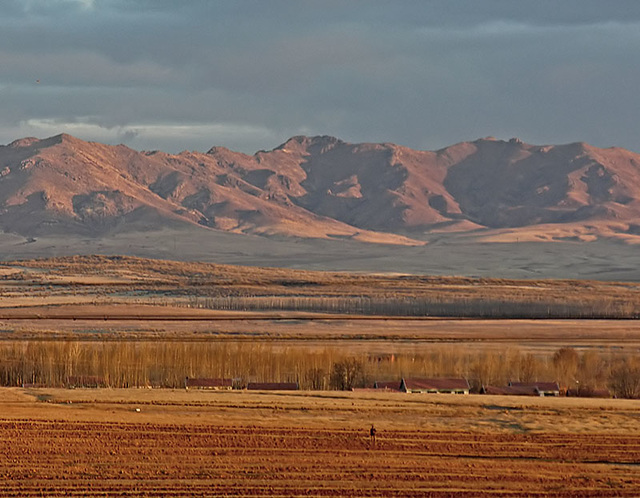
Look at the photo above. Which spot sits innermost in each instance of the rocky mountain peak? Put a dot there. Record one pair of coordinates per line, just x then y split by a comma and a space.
322, 187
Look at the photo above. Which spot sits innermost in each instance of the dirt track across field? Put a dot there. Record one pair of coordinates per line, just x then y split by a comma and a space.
172, 443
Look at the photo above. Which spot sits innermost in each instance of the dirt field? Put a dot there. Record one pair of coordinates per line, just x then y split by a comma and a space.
96, 442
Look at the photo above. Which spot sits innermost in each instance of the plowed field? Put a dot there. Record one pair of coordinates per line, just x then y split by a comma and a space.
61, 458
220, 444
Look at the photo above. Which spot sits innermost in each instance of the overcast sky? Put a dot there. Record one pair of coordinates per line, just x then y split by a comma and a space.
175, 75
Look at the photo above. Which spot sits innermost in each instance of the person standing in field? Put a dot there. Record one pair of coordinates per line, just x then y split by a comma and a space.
372, 435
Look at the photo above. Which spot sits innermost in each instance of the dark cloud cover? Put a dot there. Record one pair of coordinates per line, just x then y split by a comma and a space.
248, 74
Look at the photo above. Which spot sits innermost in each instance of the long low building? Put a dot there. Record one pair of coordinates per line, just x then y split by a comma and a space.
272, 386
435, 386
538, 388
524, 389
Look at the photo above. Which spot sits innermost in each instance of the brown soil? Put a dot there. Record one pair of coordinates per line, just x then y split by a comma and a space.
204, 444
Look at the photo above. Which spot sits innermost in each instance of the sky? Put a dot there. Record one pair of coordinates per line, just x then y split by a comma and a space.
173, 75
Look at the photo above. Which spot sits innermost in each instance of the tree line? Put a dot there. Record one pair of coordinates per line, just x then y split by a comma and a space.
465, 307
166, 364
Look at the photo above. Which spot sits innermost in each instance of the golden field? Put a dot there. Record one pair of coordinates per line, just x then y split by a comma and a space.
136, 442
148, 324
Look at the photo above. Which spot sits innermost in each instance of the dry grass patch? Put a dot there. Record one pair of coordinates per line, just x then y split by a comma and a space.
126, 280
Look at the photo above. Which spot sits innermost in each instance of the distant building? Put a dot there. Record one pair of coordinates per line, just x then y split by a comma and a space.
538, 388
272, 386
588, 393
436, 386
204, 383
507, 391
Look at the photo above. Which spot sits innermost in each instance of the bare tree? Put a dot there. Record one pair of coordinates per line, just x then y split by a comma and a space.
316, 379
593, 372
529, 368
566, 361
625, 380
346, 374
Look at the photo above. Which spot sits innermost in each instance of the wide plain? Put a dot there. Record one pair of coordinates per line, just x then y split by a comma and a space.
157, 442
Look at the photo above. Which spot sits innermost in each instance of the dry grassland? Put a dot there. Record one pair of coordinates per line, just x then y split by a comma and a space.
295, 317
97, 297
96, 442
131, 314
99, 280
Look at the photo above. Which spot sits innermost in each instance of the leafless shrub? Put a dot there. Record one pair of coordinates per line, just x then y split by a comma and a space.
566, 361
625, 379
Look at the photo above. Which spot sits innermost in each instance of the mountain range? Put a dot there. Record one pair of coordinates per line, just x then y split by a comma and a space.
324, 188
